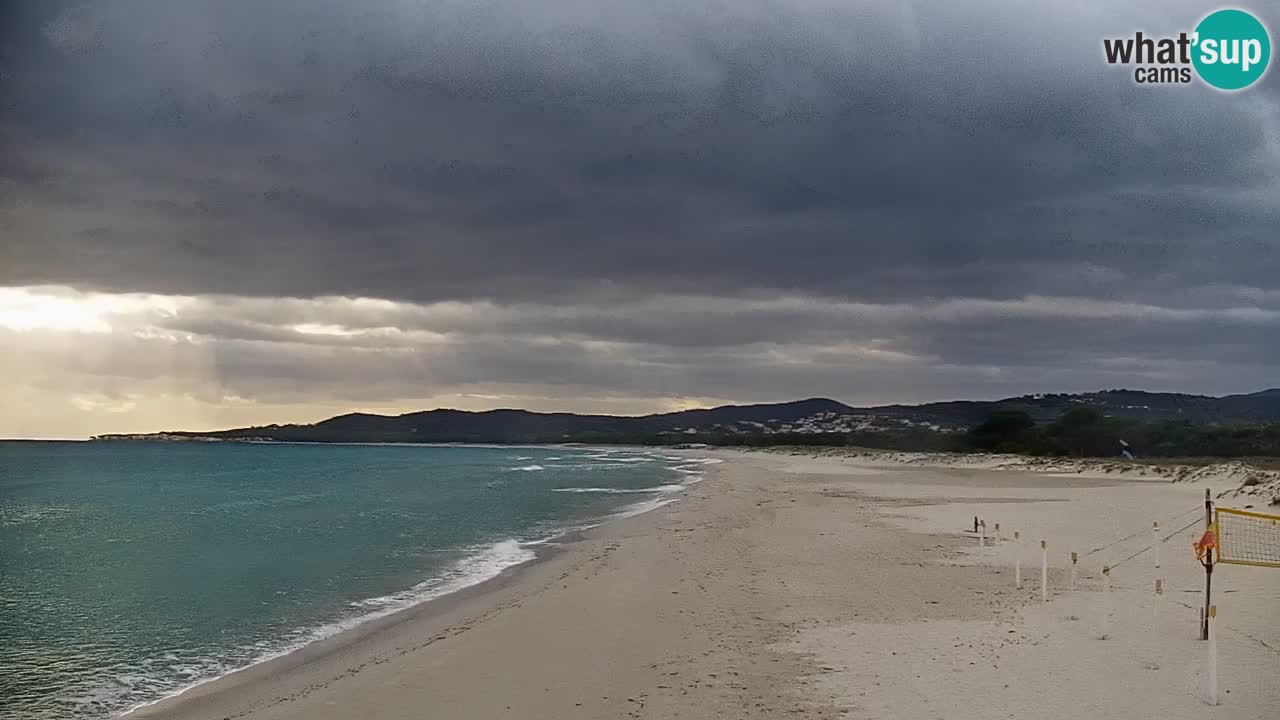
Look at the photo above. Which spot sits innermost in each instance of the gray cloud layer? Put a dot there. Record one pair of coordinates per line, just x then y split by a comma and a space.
595, 158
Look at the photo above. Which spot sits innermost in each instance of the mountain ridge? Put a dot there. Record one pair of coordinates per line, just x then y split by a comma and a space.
815, 415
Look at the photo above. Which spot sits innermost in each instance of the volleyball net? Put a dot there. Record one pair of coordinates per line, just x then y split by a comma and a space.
1247, 538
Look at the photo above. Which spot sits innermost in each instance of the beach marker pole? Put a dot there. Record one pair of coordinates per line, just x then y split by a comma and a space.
1154, 634
1211, 615
1155, 602
1017, 559
1074, 559
1044, 571
1106, 601
998, 533
982, 535
1155, 542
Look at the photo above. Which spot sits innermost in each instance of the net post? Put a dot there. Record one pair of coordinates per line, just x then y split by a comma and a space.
1208, 568
1074, 559
982, 534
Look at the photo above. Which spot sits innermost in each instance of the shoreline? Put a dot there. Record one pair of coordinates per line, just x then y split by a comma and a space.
357, 633
363, 627
482, 597
791, 586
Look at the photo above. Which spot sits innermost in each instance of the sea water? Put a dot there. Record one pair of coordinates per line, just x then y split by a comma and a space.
131, 571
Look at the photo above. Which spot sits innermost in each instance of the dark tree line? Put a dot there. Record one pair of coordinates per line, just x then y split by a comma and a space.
1087, 432
1079, 432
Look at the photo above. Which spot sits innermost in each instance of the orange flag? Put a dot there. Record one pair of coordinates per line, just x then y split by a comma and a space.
1207, 542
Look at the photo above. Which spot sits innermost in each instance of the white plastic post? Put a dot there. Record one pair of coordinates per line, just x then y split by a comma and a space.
1044, 571
1155, 542
1017, 559
1155, 602
1074, 559
1213, 655
1153, 637
1105, 621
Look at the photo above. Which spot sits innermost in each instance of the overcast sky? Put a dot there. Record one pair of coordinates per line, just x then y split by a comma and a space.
218, 213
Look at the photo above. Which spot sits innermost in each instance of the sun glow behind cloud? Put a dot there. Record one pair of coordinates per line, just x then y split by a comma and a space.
23, 310
58, 309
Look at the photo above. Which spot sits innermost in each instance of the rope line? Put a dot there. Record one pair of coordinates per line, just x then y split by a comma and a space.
1233, 630
1130, 537
1117, 542
1163, 540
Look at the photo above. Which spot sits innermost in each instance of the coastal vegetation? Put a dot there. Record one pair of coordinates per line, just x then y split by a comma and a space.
1080, 432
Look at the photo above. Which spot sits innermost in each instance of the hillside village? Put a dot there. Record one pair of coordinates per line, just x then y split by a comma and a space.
822, 423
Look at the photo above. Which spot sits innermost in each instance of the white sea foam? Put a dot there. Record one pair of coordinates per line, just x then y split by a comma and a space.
705, 461
599, 463
483, 564
526, 468
643, 507
693, 469
617, 456
621, 491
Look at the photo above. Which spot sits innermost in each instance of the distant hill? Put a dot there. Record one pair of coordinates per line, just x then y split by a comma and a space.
1259, 407
815, 416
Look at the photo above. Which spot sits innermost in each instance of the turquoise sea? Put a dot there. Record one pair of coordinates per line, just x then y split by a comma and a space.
129, 572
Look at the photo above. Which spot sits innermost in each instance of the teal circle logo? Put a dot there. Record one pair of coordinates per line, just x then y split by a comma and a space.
1232, 49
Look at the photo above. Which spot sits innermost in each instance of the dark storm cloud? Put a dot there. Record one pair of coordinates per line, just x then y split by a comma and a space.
682, 343
492, 150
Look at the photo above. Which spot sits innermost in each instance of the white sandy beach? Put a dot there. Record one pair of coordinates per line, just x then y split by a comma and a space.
819, 587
